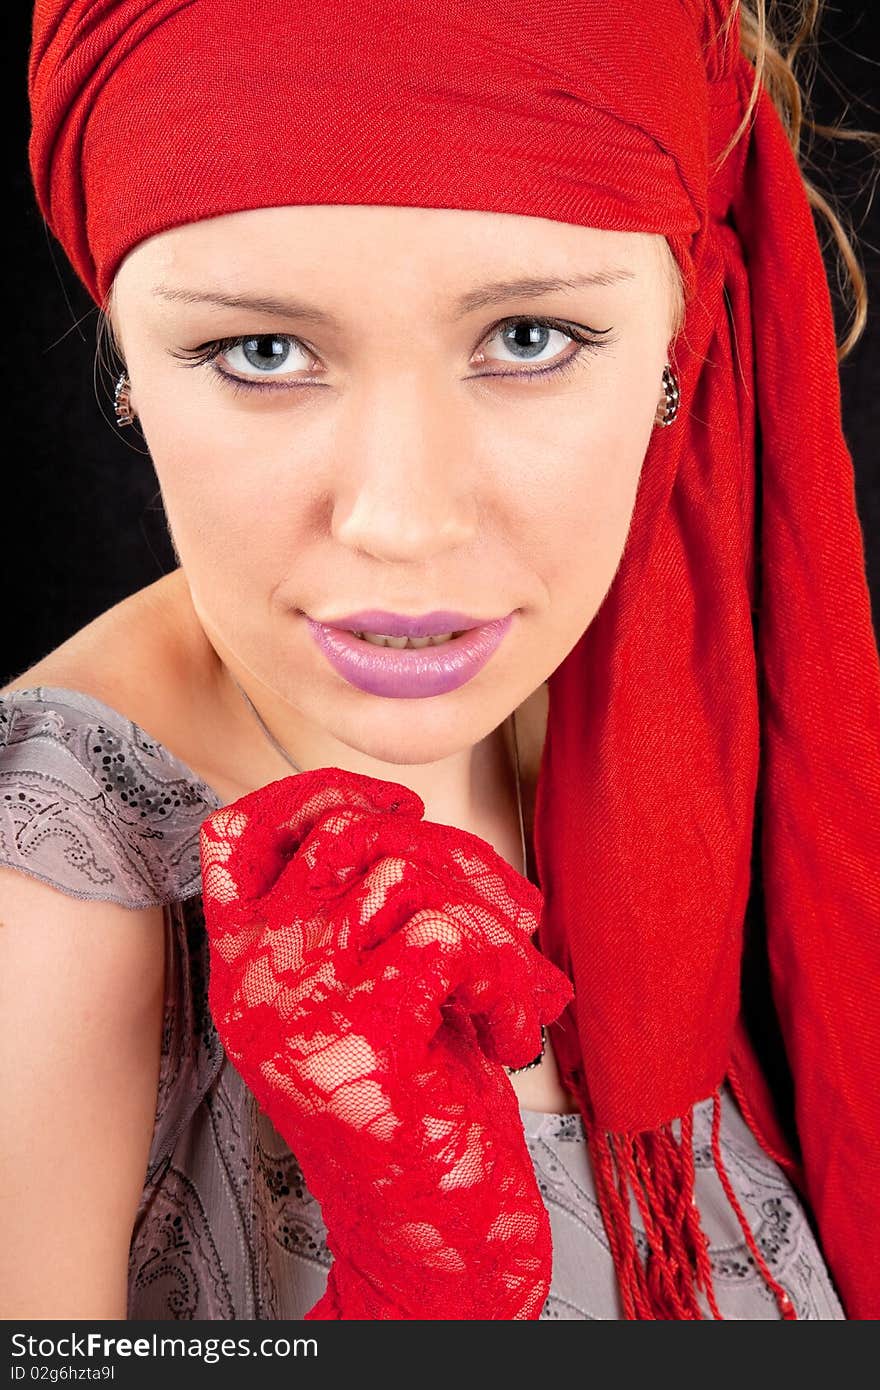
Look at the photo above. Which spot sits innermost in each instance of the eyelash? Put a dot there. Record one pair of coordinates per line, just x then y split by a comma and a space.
207, 353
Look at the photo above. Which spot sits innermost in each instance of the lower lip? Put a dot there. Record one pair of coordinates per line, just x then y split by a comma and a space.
409, 673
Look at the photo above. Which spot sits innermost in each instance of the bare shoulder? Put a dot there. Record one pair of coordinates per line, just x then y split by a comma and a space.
123, 655
148, 658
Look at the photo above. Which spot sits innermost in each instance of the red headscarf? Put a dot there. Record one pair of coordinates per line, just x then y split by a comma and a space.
732, 668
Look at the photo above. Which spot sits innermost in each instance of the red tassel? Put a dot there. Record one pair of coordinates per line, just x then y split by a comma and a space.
698, 1238
657, 1172
784, 1303
615, 1215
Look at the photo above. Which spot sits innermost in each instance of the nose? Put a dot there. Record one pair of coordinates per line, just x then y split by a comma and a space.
405, 486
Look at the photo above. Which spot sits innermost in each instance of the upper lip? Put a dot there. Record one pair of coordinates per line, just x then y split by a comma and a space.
376, 620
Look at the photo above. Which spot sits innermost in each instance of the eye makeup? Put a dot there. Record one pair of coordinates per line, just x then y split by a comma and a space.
212, 353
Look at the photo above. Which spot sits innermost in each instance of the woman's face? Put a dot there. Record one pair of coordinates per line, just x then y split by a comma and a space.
379, 442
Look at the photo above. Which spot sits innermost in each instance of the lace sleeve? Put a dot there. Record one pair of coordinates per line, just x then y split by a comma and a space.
94, 807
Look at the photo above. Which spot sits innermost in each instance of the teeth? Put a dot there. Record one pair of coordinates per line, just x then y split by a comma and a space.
379, 639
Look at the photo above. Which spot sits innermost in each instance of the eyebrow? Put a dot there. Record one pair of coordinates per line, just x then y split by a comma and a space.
495, 292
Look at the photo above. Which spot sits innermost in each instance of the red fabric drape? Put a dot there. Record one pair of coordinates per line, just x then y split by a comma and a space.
670, 722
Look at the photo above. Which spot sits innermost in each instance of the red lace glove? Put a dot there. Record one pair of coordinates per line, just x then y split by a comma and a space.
369, 973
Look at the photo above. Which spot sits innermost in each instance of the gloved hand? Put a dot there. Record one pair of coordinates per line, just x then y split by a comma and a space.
369, 974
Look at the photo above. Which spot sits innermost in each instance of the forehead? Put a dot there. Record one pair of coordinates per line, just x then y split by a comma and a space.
328, 246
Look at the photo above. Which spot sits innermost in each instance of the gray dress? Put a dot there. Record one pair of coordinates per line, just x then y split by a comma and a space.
226, 1227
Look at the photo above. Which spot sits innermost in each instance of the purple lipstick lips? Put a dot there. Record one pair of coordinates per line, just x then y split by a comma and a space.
408, 673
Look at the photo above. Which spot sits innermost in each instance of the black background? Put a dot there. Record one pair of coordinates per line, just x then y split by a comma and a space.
83, 520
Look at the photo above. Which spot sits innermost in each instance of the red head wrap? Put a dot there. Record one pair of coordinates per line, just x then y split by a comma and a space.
732, 668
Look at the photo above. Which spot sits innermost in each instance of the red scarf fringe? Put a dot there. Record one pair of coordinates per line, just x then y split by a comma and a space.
665, 1277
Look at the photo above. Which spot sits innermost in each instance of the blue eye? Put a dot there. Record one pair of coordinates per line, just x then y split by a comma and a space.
525, 338
264, 354
257, 360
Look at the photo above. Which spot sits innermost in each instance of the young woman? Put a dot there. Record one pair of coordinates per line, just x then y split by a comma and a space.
460, 328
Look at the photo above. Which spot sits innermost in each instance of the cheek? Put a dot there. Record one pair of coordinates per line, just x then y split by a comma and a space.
577, 508
217, 467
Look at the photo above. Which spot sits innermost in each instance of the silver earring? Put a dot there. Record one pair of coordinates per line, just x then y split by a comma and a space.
667, 411
122, 402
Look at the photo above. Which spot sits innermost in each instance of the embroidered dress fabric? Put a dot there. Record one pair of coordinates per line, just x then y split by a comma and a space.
227, 1226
